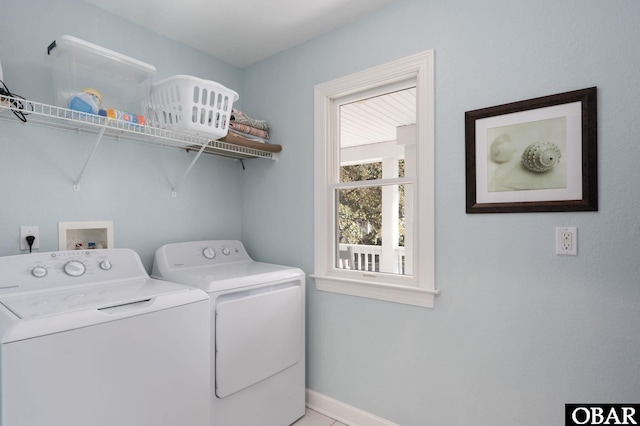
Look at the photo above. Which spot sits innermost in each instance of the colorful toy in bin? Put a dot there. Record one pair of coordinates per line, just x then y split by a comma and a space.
89, 101
116, 114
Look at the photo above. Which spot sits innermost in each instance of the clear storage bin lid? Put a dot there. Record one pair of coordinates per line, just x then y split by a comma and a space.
114, 64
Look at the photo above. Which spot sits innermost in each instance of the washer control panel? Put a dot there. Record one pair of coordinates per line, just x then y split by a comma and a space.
40, 271
200, 253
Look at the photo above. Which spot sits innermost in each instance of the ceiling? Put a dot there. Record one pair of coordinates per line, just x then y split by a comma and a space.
240, 32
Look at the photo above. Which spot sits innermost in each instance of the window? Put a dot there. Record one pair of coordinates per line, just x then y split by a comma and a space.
374, 183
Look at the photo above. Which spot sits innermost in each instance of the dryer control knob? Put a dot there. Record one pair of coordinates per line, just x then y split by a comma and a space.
74, 268
209, 253
105, 265
226, 251
39, 271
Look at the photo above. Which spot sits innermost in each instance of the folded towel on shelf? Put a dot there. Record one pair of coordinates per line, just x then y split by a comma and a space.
249, 130
240, 117
248, 136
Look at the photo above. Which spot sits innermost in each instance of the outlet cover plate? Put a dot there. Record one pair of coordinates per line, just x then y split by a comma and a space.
567, 240
25, 231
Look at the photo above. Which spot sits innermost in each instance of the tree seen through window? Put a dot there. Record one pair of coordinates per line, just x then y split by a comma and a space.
360, 209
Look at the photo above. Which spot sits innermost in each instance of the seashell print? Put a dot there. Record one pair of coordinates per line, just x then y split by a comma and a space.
540, 157
501, 150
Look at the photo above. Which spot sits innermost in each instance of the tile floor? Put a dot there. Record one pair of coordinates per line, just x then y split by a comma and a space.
313, 418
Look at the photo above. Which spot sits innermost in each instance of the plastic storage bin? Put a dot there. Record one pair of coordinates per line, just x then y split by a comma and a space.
77, 65
189, 104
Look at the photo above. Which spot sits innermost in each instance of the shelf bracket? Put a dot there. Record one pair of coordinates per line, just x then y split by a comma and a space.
174, 190
76, 184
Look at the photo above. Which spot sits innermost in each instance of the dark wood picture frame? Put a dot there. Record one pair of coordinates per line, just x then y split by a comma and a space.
497, 137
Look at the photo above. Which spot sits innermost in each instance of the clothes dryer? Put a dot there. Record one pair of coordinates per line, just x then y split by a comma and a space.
88, 338
257, 330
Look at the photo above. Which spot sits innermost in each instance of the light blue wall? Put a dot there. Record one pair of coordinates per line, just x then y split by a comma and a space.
125, 182
517, 331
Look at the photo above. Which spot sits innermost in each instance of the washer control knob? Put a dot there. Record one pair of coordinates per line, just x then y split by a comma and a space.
39, 271
209, 253
226, 251
74, 268
106, 265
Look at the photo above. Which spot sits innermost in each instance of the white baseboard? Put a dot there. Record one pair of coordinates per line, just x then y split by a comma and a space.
342, 412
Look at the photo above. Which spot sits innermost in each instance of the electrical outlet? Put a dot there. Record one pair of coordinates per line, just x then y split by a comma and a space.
567, 240
25, 231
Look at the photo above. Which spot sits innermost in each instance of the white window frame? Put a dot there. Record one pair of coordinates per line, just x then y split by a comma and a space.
419, 288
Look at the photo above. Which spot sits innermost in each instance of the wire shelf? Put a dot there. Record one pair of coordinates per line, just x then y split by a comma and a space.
62, 118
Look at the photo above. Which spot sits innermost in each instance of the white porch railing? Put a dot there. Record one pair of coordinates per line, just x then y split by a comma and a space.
369, 258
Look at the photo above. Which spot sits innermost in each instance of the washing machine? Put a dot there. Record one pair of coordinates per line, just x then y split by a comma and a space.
88, 338
257, 330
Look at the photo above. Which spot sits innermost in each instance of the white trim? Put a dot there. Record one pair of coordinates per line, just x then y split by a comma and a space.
373, 182
342, 412
379, 291
418, 289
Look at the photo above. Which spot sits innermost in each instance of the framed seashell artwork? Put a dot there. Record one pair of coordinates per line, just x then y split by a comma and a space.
537, 155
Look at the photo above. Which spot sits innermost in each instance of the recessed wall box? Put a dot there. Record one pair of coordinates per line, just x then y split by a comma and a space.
77, 65
85, 235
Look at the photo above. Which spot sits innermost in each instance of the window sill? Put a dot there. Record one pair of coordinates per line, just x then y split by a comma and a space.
390, 293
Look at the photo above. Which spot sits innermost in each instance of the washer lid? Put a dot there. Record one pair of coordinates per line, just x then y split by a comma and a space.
240, 270
100, 296
233, 275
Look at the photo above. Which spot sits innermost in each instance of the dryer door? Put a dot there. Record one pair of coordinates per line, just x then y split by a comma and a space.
257, 335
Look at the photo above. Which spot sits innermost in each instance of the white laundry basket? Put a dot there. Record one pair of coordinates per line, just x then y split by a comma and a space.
183, 103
